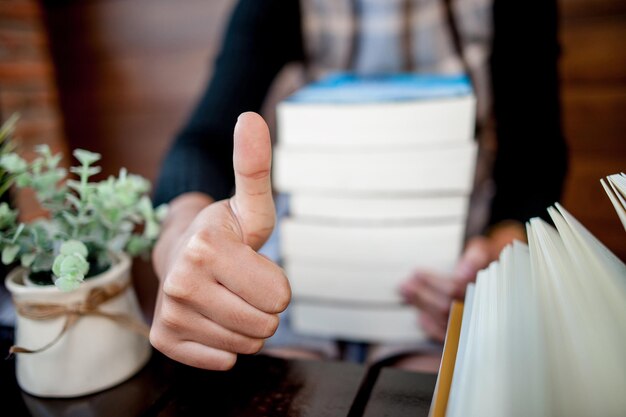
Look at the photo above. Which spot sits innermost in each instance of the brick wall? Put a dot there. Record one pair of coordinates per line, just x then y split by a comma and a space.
27, 83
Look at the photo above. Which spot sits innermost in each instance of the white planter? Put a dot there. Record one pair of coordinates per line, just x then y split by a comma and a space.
94, 354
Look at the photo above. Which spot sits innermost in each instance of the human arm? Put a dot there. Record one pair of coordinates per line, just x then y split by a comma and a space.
261, 37
217, 297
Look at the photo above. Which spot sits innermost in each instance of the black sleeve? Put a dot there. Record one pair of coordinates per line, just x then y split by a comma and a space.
531, 159
262, 36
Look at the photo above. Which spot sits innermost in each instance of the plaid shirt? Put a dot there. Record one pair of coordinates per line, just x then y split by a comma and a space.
383, 36
376, 36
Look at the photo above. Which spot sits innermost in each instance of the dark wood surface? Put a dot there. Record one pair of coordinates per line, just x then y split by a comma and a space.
400, 393
256, 386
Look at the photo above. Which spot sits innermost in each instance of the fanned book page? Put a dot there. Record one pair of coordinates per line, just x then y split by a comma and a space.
615, 187
544, 329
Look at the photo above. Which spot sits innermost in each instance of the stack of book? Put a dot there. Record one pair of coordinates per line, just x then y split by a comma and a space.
543, 330
379, 172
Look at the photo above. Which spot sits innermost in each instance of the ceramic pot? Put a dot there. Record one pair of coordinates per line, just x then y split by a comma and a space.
95, 353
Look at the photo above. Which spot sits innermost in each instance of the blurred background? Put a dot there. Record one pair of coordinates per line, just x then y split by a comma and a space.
120, 77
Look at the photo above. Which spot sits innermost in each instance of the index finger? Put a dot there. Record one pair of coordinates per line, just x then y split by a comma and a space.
254, 278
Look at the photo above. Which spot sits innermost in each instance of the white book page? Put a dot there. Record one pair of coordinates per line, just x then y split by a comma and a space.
474, 399
585, 342
361, 209
616, 199
463, 377
596, 254
618, 184
547, 330
607, 285
356, 322
527, 374
619, 180
456, 386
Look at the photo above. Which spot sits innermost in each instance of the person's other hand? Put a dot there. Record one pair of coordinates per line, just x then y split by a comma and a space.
218, 297
433, 293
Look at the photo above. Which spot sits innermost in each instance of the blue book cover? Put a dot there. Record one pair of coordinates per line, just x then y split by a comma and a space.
347, 88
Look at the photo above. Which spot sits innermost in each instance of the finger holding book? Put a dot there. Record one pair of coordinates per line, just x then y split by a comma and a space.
433, 293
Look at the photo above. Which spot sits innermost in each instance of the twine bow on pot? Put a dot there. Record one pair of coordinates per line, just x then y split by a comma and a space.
73, 312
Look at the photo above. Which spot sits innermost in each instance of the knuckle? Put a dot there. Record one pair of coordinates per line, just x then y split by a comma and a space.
158, 339
170, 318
450, 290
251, 346
239, 319
282, 295
193, 257
444, 309
418, 300
200, 249
231, 344
175, 286
269, 326
226, 363
457, 290
419, 282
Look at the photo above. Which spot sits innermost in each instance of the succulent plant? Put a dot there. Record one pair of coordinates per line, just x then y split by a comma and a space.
87, 221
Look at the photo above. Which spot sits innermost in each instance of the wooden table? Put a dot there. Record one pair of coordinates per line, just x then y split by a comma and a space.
257, 386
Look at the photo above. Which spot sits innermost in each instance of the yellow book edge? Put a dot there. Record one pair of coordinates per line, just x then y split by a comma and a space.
448, 359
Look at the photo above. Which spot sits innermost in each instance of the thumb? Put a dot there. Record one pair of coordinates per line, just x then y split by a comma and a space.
253, 204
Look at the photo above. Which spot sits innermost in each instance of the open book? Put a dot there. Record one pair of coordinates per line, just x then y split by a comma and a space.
543, 330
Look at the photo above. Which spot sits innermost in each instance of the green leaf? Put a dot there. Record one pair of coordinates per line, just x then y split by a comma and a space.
161, 212
151, 230
145, 207
43, 262
126, 227
74, 185
53, 161
23, 180
85, 157
27, 259
8, 127
137, 245
72, 267
87, 171
9, 253
13, 163
72, 247
8, 217
75, 201
66, 284
70, 218
18, 232
43, 150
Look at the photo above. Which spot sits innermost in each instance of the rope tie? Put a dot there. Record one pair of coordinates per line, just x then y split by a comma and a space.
73, 312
